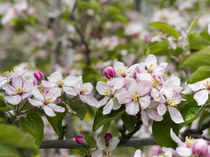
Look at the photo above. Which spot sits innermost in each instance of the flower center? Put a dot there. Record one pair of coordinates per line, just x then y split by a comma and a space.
189, 141
151, 68
170, 102
135, 96
121, 72
207, 84
108, 93
60, 82
41, 89
156, 82
84, 90
19, 90
48, 99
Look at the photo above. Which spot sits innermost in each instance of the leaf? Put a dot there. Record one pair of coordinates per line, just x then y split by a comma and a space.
12, 136
197, 59
34, 125
8, 151
105, 129
101, 119
56, 122
159, 47
93, 5
79, 109
201, 73
197, 41
166, 28
161, 131
189, 109
120, 18
192, 25
129, 122
91, 141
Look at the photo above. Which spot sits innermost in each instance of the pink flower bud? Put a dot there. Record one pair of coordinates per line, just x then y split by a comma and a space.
38, 75
79, 139
154, 150
108, 137
109, 72
200, 147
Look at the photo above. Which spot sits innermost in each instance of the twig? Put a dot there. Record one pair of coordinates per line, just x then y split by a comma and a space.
71, 144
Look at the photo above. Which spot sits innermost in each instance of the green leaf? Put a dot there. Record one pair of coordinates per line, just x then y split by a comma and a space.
101, 119
166, 28
159, 47
79, 109
129, 121
197, 59
93, 5
197, 41
192, 25
105, 129
120, 18
8, 151
189, 109
161, 131
91, 141
11, 135
34, 125
201, 73
56, 122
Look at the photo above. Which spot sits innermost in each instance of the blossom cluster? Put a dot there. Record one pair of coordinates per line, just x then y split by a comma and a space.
45, 94
142, 87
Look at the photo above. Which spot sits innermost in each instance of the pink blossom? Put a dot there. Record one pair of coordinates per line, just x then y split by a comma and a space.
109, 72
200, 147
79, 139
38, 75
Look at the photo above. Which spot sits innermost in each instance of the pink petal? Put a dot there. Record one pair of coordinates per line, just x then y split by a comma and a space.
124, 97
97, 153
144, 87
144, 102
56, 108
154, 115
70, 91
161, 109
144, 118
10, 90
35, 102
37, 95
130, 84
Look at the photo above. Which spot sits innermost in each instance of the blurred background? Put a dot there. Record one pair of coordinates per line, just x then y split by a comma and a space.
82, 37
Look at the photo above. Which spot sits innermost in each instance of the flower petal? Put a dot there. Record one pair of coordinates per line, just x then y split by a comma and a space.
132, 108
70, 91
113, 143
16, 99
201, 97
49, 111
137, 153
101, 87
54, 77
144, 117
154, 115
17, 82
144, 102
9, 89
56, 108
35, 102
183, 151
102, 101
108, 107
175, 115
37, 95
175, 137
161, 109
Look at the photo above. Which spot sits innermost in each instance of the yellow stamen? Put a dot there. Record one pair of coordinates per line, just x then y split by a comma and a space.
84, 90
60, 82
8, 73
19, 90
135, 97
120, 71
189, 141
172, 102
49, 99
41, 89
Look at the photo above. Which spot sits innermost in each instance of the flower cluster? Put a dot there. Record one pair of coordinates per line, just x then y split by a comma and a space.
143, 88
45, 94
196, 147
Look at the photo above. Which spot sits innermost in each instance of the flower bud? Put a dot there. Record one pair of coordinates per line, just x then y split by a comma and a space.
200, 147
108, 137
79, 139
38, 75
109, 72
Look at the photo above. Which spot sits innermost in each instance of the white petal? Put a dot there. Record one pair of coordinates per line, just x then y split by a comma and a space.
89, 99
151, 59
101, 87
175, 137
123, 97
132, 108
49, 111
144, 118
37, 95
161, 109
70, 91
54, 77
56, 92
175, 115
70, 81
9, 89
97, 153
48, 84
144, 101
35, 102
154, 115
28, 86
113, 143
201, 97
144, 76
183, 151
197, 86
56, 108
17, 82
116, 83
144, 87
137, 153
101, 143
102, 101
89, 87
130, 84
108, 107
116, 105
16, 99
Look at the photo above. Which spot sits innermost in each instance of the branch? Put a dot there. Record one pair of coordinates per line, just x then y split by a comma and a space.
195, 132
70, 144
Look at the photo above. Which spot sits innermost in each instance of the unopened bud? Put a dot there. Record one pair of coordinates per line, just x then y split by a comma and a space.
38, 75
200, 147
79, 139
109, 72
108, 137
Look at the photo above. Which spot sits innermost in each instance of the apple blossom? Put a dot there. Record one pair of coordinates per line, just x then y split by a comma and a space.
46, 99
109, 72
18, 90
79, 139
109, 100
200, 147
202, 91
38, 75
